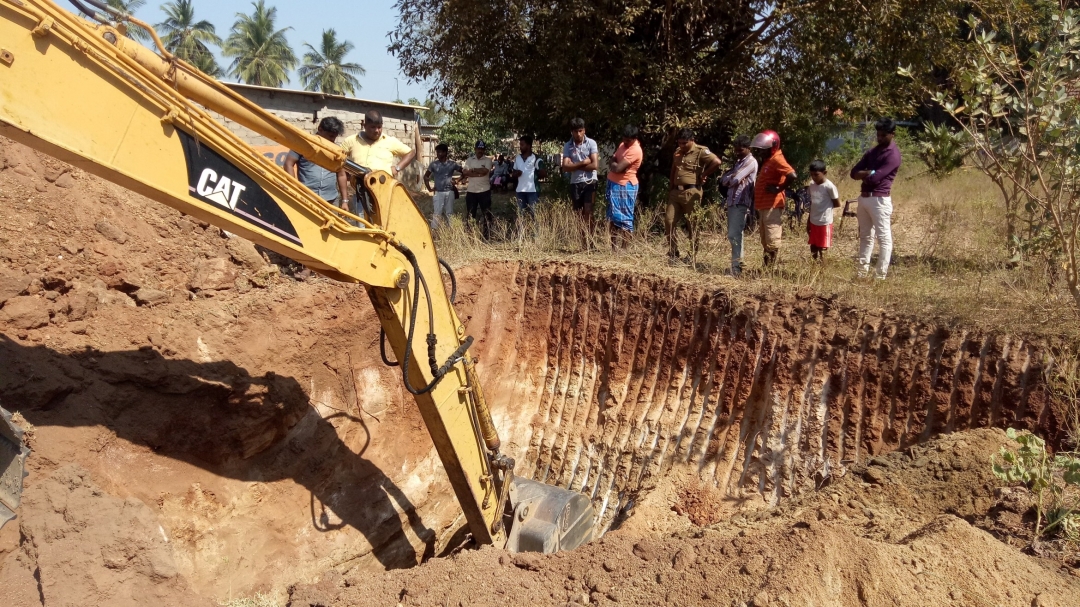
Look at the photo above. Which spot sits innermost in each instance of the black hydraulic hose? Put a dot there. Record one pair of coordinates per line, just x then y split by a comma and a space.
92, 14
382, 332
453, 280
105, 7
382, 350
459, 353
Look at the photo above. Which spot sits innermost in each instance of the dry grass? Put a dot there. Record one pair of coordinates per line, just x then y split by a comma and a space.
948, 258
1063, 378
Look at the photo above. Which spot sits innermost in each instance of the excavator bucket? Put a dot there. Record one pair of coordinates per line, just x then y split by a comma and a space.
13, 454
548, 518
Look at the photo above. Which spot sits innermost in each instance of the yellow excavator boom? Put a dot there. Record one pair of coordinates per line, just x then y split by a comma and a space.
151, 132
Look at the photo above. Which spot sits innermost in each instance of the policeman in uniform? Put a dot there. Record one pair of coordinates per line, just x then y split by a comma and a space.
690, 168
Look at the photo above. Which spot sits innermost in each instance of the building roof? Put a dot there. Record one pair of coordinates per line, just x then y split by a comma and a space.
252, 87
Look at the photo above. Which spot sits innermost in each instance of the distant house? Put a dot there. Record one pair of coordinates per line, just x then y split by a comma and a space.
304, 110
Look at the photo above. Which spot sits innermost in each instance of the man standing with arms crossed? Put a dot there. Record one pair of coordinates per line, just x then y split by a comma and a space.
740, 199
478, 193
622, 187
877, 169
372, 149
690, 167
580, 160
442, 199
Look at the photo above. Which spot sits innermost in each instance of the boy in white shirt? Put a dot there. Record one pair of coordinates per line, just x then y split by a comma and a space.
824, 197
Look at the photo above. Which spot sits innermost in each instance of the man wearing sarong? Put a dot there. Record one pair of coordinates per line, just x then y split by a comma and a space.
622, 188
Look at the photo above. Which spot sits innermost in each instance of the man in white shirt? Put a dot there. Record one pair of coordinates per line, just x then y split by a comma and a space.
528, 170
478, 194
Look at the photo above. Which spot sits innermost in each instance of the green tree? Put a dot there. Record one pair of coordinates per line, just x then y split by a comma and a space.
1015, 100
664, 64
129, 7
261, 54
325, 68
464, 125
434, 114
187, 38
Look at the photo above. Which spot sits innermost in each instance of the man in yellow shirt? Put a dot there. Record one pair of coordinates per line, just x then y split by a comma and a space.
372, 149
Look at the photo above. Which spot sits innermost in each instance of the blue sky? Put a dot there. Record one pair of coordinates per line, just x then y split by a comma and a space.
365, 23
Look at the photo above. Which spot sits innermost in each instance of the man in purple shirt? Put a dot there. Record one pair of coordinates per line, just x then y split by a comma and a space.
877, 170
739, 181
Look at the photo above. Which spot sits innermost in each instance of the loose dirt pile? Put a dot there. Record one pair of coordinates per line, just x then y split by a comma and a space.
894, 533
209, 422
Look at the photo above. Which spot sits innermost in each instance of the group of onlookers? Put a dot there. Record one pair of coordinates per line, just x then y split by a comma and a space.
369, 148
756, 182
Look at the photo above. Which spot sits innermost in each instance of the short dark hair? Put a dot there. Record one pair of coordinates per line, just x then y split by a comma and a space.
331, 124
526, 139
885, 125
817, 166
742, 141
687, 134
630, 132
442, 147
373, 117
577, 123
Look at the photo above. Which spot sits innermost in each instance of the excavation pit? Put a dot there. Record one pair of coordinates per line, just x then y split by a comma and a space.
266, 446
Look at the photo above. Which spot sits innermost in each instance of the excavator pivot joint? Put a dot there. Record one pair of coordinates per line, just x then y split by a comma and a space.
43, 28
401, 281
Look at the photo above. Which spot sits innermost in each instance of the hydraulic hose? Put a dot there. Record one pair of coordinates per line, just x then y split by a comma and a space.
453, 280
453, 299
92, 14
437, 372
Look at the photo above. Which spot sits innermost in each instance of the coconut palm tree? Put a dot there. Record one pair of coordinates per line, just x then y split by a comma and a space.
324, 68
189, 39
261, 55
129, 7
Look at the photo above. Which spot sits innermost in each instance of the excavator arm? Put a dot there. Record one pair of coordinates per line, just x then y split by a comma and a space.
84, 93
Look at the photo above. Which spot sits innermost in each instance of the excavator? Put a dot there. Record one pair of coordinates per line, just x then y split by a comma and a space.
78, 88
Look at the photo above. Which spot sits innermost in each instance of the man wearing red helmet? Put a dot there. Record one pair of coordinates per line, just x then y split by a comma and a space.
769, 200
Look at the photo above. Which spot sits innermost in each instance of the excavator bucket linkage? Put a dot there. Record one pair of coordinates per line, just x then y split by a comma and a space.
13, 452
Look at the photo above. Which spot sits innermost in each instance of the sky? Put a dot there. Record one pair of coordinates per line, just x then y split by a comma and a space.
373, 20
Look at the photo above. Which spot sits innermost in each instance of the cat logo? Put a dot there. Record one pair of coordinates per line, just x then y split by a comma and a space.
214, 180
221, 190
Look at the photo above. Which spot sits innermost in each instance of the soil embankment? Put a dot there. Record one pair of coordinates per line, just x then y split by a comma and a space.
207, 427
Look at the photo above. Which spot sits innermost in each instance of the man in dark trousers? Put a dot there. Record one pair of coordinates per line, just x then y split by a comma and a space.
877, 169
690, 167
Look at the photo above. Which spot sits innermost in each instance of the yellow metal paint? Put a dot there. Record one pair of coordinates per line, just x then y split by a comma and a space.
86, 95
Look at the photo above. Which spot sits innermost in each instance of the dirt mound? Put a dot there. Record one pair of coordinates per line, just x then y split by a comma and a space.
893, 533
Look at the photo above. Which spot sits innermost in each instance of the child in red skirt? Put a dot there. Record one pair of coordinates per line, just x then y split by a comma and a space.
823, 199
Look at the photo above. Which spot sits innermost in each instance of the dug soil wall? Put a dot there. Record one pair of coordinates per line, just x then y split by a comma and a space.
207, 422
